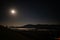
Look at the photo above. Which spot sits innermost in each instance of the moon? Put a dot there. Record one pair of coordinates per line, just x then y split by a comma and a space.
13, 12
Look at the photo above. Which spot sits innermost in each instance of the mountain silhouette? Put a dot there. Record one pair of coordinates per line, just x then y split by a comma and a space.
38, 26
9, 34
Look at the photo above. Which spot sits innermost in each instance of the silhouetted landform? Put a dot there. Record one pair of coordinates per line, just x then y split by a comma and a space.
38, 26
9, 34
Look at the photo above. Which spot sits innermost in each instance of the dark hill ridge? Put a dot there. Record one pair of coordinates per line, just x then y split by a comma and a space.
8, 34
39, 26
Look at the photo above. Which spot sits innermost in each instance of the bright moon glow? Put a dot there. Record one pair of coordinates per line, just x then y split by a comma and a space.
13, 11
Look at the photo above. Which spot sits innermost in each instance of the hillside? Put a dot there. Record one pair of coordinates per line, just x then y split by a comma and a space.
8, 34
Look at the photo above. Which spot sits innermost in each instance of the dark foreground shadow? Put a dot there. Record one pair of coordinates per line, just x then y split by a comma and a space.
8, 34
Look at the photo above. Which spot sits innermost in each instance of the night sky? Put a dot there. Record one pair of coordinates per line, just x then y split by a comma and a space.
29, 12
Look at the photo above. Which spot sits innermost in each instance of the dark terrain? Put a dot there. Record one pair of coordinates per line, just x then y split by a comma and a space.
9, 34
